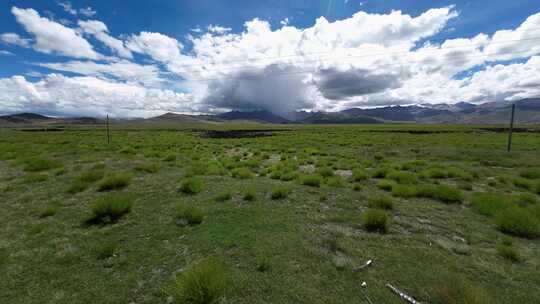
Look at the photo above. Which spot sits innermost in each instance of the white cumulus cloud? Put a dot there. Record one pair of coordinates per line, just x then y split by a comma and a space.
148, 75
158, 46
15, 39
53, 37
87, 96
99, 30
364, 60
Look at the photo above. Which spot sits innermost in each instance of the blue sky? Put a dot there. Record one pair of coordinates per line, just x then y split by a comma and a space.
184, 25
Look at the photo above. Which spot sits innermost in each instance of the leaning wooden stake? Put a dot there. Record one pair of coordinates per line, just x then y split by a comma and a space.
509, 147
402, 295
108, 134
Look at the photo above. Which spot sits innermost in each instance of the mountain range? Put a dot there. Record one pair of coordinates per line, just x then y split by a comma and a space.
527, 112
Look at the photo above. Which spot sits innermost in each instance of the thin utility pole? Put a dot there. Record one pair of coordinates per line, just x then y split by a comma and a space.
108, 133
511, 128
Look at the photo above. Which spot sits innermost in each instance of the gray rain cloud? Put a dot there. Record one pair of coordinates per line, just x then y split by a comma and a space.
276, 88
336, 84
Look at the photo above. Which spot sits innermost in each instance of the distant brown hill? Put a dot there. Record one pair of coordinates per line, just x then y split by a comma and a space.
37, 119
175, 118
527, 112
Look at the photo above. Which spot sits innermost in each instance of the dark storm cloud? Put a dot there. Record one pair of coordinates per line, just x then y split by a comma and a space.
336, 85
276, 88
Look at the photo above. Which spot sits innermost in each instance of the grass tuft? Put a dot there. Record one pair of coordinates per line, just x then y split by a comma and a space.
335, 181
147, 167
488, 204
524, 183
223, 197
249, 195
115, 181
385, 185
444, 193
325, 172
202, 283
404, 191
518, 221
242, 173
531, 173
454, 289
110, 208
188, 215
280, 193
91, 176
375, 220
48, 211
312, 180
380, 172
105, 250
83, 181
359, 175
263, 263
77, 186
506, 250
34, 178
405, 178
37, 164
191, 186
381, 202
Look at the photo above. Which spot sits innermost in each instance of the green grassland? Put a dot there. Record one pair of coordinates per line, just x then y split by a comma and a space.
165, 215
